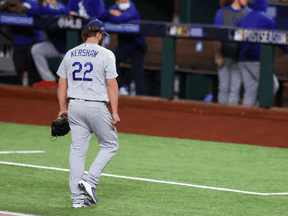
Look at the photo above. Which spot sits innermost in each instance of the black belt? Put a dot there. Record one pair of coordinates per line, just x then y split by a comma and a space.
86, 100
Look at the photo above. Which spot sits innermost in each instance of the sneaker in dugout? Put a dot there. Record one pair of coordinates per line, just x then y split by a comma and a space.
89, 191
123, 91
85, 203
46, 84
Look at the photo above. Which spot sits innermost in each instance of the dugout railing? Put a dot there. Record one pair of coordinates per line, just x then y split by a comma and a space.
169, 33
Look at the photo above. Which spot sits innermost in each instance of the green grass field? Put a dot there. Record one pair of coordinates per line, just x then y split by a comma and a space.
223, 165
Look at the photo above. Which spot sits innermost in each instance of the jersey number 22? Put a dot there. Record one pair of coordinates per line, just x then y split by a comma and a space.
87, 65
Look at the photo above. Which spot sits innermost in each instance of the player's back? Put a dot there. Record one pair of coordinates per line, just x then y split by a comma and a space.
87, 67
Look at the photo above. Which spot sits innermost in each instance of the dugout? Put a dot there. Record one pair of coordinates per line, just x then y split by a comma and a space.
195, 69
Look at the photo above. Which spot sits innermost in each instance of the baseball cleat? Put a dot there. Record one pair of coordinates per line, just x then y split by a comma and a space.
89, 191
85, 203
123, 91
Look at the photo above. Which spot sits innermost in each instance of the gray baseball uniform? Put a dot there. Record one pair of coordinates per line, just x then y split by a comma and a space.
230, 81
229, 74
249, 54
86, 67
251, 76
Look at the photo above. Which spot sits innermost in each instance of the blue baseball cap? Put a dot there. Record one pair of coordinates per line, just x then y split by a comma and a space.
98, 24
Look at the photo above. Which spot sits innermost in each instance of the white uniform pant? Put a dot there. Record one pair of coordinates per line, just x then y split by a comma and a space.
40, 51
229, 82
86, 118
250, 72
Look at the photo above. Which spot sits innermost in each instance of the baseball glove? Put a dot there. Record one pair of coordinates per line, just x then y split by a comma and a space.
60, 126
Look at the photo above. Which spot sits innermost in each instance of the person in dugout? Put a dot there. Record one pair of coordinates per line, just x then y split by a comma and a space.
24, 38
54, 48
249, 53
88, 9
226, 55
129, 45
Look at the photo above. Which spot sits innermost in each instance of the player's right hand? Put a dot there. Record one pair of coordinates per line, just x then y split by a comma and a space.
115, 119
63, 112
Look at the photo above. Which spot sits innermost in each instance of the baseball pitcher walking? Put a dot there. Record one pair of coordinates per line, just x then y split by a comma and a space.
87, 76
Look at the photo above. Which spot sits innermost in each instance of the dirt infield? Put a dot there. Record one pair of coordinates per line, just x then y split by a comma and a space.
160, 117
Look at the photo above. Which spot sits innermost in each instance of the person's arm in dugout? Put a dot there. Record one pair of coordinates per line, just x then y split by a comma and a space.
123, 17
217, 44
47, 10
105, 15
16, 7
3, 6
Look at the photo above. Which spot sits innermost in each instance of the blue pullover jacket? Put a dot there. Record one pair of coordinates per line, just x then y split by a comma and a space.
127, 40
87, 8
57, 37
60, 9
257, 19
24, 36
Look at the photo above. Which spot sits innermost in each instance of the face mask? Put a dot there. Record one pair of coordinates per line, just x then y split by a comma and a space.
124, 6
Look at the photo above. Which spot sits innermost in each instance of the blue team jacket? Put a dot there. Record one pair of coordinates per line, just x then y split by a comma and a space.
127, 40
94, 8
57, 37
257, 19
24, 36
60, 9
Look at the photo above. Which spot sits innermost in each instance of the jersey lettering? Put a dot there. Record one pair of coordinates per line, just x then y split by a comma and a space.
87, 65
84, 52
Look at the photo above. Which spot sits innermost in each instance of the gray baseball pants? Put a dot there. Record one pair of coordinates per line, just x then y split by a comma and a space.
250, 72
86, 118
229, 82
40, 51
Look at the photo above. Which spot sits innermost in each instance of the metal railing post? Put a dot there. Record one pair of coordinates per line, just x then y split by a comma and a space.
265, 89
167, 68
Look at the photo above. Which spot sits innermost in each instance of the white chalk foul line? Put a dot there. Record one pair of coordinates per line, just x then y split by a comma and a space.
20, 152
15, 213
150, 180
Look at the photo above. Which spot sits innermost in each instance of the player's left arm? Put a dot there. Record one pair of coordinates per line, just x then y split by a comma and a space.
111, 74
62, 96
113, 95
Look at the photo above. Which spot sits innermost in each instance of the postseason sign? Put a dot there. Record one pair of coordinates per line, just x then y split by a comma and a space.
275, 2
260, 36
